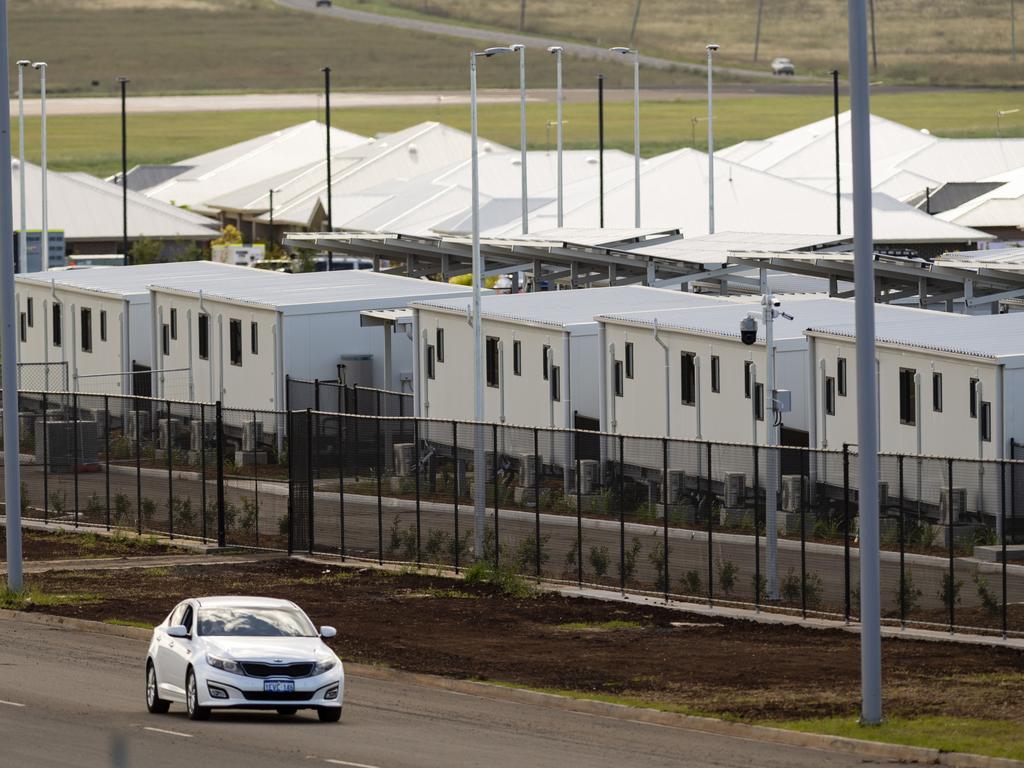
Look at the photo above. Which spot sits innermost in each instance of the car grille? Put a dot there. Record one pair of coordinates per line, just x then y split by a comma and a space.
256, 669
265, 696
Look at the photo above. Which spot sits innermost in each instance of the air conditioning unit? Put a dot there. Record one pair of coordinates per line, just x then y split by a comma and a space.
201, 434
590, 476
959, 505
528, 465
405, 459
676, 485
252, 435
735, 489
792, 491
62, 453
137, 425
167, 432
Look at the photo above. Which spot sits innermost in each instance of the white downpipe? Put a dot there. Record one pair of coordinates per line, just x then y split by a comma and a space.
668, 378
753, 401
158, 353
812, 421
611, 357
426, 378
74, 346
602, 374
417, 368
220, 355
209, 357
501, 381
567, 416
126, 349
191, 382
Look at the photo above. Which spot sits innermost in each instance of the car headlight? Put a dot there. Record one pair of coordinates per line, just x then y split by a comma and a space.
226, 664
324, 666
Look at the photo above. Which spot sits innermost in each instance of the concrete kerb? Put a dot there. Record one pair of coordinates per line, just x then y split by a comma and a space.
861, 747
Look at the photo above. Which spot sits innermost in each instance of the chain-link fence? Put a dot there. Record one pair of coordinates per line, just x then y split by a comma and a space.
775, 529
43, 377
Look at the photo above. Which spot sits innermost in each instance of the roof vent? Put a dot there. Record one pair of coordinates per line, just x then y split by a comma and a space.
413, 149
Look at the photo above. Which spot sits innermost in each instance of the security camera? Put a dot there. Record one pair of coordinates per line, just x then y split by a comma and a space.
748, 330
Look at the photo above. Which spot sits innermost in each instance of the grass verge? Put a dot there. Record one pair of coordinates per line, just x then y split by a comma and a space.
27, 599
609, 626
128, 623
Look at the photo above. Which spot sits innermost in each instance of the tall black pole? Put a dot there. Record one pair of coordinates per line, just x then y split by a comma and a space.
600, 145
124, 172
270, 244
835, 117
327, 120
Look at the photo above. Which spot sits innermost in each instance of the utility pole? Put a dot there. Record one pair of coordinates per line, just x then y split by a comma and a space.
757, 34
600, 147
835, 118
632, 29
124, 171
327, 122
8, 343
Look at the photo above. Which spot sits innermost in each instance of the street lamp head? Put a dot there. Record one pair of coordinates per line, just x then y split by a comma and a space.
555, 49
123, 80
39, 65
712, 47
488, 52
325, 69
517, 47
620, 49
23, 62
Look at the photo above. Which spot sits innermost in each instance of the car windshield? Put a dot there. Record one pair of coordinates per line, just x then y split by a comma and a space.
254, 622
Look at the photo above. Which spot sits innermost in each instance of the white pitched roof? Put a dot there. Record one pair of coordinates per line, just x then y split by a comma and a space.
999, 207
251, 162
87, 208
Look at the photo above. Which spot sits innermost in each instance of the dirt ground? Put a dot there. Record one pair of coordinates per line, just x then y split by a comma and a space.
61, 545
442, 626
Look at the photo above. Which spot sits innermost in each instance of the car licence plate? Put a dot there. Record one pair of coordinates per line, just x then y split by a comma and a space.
278, 686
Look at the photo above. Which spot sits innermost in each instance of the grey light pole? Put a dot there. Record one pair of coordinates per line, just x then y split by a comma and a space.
124, 169
636, 127
711, 48
521, 50
327, 122
8, 345
867, 395
479, 469
557, 51
835, 119
45, 234
22, 235
270, 238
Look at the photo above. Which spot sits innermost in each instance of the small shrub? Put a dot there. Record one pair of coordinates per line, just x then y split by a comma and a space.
599, 561
691, 583
727, 572
183, 517
248, 523
760, 584
403, 541
525, 556
627, 566
989, 601
507, 581
647, 512
284, 524
58, 500
95, 508
570, 556
791, 588
949, 591
658, 559
123, 510
26, 502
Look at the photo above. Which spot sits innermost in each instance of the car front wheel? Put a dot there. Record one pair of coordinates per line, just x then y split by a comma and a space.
154, 703
195, 712
329, 714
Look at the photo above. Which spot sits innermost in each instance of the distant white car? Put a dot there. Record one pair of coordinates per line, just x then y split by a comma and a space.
323, 3
783, 66
243, 653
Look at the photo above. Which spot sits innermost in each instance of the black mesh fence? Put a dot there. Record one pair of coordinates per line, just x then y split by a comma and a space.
335, 397
775, 529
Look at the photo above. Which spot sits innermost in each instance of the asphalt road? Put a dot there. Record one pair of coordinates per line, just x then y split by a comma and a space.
76, 699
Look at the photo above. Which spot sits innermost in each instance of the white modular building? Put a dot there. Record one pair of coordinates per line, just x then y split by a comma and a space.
687, 373
541, 353
948, 385
241, 340
96, 322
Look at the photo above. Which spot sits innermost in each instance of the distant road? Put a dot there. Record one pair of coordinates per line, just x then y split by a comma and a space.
70, 698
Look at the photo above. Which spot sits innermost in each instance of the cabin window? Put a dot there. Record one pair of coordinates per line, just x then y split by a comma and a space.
204, 337
492, 362
759, 402
174, 324
747, 366
716, 374
620, 384
165, 339
556, 384
30, 312
974, 398
908, 397
86, 317
937, 392
235, 341
517, 358
23, 322
254, 338
545, 351
986, 422
57, 324
430, 361
629, 359
439, 345
841, 376
103, 325
688, 378
830, 396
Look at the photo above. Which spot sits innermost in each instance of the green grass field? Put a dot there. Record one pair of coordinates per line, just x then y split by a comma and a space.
92, 143
947, 42
192, 46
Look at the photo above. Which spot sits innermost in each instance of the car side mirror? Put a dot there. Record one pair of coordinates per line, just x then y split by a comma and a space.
178, 630
326, 632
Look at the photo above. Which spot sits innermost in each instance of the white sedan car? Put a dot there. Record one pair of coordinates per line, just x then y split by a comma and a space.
243, 653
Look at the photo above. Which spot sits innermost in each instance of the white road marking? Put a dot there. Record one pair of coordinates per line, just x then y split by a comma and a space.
11, 703
351, 765
170, 733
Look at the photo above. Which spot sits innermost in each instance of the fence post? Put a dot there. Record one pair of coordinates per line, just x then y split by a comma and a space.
902, 523
622, 514
846, 533
711, 528
316, 394
455, 491
579, 513
310, 514
138, 465
202, 465
256, 479
46, 464
170, 473
805, 497
951, 586
221, 532
536, 498
342, 424
74, 449
106, 451
494, 482
1002, 520
380, 501
664, 514
419, 533
291, 483
757, 532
